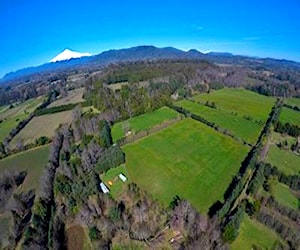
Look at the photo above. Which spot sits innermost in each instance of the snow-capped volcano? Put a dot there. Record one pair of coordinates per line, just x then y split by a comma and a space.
68, 54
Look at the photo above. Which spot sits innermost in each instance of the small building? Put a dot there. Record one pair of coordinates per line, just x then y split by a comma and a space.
104, 188
122, 177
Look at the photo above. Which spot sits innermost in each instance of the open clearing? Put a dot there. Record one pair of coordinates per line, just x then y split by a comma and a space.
187, 159
290, 116
11, 117
33, 160
293, 101
44, 125
283, 195
74, 96
281, 138
143, 122
241, 101
75, 237
112, 176
284, 160
254, 233
6, 228
238, 126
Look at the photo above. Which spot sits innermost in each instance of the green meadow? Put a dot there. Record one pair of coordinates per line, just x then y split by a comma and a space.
238, 126
284, 195
143, 122
284, 160
240, 101
288, 115
254, 235
188, 159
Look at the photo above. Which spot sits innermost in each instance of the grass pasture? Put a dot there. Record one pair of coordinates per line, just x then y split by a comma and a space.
284, 160
187, 159
74, 96
33, 160
252, 233
143, 122
243, 102
240, 127
283, 195
293, 101
290, 116
11, 117
44, 125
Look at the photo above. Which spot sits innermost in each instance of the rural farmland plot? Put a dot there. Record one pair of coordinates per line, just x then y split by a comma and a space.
11, 117
187, 159
243, 102
290, 116
33, 161
143, 122
293, 101
74, 96
236, 125
44, 125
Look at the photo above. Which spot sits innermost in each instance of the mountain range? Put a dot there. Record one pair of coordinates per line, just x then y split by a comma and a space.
86, 61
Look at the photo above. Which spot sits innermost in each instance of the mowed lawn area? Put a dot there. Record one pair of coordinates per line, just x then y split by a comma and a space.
254, 233
74, 96
11, 117
188, 159
290, 116
238, 126
143, 122
243, 102
44, 125
112, 176
284, 160
33, 160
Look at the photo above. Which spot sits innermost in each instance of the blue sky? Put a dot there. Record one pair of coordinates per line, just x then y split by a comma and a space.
34, 31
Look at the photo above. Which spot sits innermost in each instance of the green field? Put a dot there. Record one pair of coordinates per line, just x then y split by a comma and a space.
113, 175
187, 159
44, 125
241, 101
238, 126
11, 117
288, 115
284, 160
33, 160
254, 233
293, 101
143, 122
283, 195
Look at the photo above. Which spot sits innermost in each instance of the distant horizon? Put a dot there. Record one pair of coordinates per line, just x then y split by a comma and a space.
35, 31
146, 45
